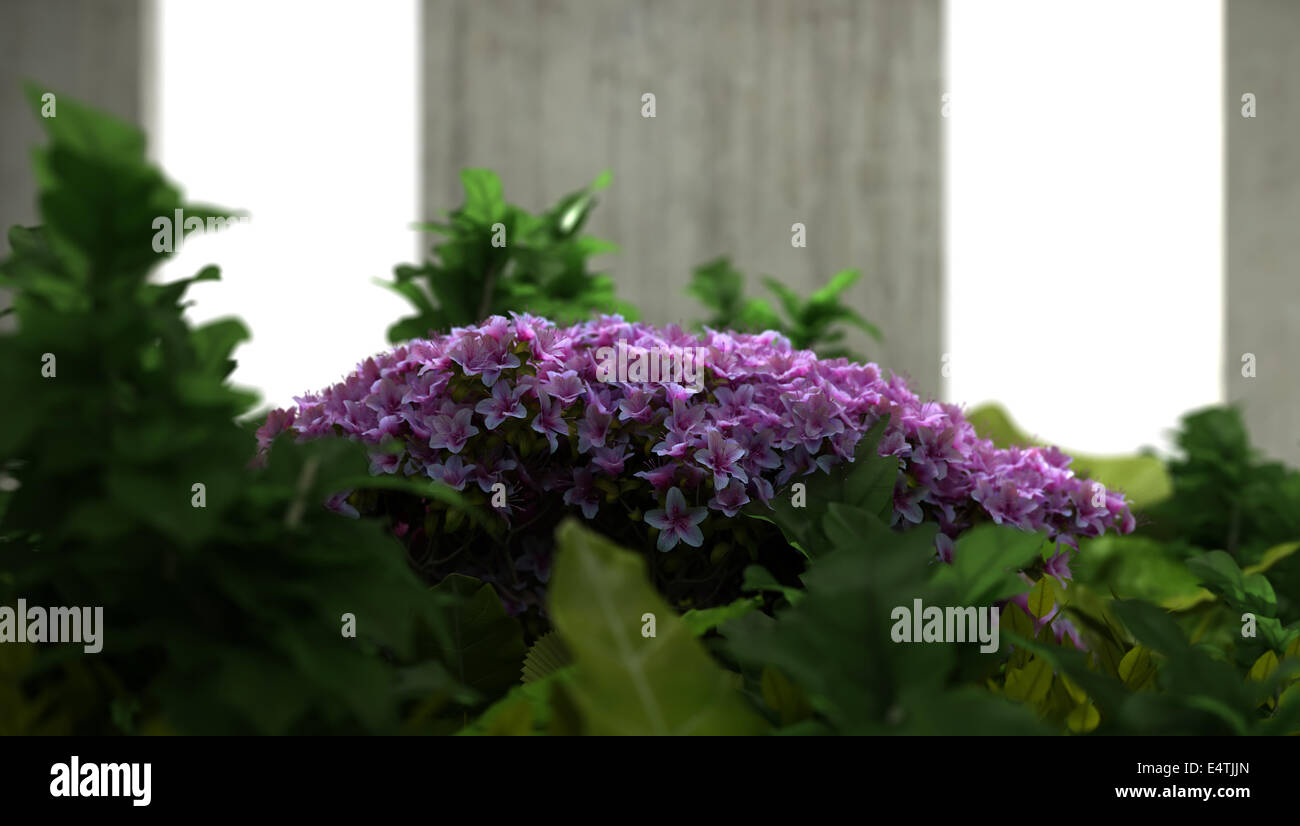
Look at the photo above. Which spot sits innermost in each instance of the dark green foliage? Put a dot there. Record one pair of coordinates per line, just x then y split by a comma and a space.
223, 618
1226, 497
836, 644
819, 657
539, 264
811, 324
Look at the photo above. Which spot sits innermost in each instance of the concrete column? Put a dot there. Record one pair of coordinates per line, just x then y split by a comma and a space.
89, 49
769, 112
1263, 220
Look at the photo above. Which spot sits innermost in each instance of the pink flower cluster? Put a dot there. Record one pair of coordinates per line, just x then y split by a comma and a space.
523, 402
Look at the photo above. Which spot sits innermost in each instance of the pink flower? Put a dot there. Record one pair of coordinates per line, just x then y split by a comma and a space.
453, 472
730, 499
503, 404
550, 421
676, 522
452, 431
722, 456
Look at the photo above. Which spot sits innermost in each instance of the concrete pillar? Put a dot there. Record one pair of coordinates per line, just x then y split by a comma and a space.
1262, 240
769, 112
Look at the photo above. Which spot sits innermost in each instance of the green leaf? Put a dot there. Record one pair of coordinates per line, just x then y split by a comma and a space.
1151, 626
535, 708
1030, 683
758, 578
545, 657
215, 341
1042, 598
484, 196
625, 683
985, 563
784, 697
483, 647
1273, 556
1136, 669
703, 620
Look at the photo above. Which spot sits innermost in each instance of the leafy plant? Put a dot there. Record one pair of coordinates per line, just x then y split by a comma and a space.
223, 588
496, 257
1225, 496
810, 324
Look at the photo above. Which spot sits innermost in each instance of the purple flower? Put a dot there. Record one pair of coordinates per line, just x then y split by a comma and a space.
592, 430
676, 522
550, 421
660, 477
339, 504
381, 463
454, 472
483, 355
452, 431
566, 386
722, 456
277, 422
504, 403
1059, 566
636, 405
730, 499
583, 493
611, 460
537, 560
767, 415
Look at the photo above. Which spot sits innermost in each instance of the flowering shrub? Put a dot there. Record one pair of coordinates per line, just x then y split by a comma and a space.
539, 410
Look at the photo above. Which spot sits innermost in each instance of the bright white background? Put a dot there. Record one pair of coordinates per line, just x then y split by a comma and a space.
304, 114
1083, 214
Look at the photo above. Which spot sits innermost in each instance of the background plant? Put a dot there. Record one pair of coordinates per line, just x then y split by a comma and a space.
814, 323
496, 257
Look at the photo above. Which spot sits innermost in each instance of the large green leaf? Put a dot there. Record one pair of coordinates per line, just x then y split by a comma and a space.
483, 647
626, 683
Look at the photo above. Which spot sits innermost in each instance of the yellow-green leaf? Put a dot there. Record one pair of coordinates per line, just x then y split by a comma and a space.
624, 682
1031, 683
1263, 667
1137, 669
1272, 556
1042, 598
1084, 718
785, 698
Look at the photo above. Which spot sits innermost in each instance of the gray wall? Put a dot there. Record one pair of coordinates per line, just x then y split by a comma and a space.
769, 112
1263, 220
90, 49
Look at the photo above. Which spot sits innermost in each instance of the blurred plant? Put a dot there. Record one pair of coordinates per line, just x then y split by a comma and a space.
821, 658
1140, 673
811, 324
497, 257
223, 588
1225, 496
816, 660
